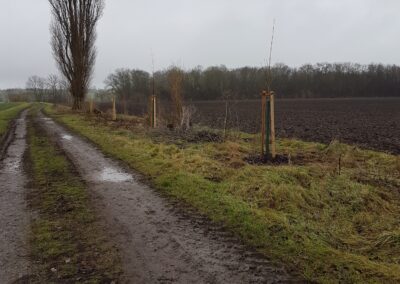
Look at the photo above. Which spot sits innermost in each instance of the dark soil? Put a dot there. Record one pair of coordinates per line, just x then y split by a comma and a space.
180, 137
259, 160
369, 123
372, 123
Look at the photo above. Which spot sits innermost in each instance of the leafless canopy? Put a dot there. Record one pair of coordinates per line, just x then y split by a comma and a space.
73, 37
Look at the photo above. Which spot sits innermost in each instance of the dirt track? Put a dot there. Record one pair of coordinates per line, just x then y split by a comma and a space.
158, 243
14, 217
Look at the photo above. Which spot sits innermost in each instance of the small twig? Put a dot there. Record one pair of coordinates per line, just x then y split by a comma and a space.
152, 72
269, 74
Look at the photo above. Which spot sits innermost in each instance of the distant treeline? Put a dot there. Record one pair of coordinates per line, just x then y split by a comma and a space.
321, 80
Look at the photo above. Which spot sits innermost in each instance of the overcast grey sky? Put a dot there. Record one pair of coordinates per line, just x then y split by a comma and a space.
206, 32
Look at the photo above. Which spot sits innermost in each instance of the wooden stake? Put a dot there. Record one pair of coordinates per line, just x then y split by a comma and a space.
263, 120
114, 110
273, 142
268, 128
268, 137
154, 111
91, 106
150, 110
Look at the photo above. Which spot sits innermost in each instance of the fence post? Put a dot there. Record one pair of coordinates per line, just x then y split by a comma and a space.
273, 138
114, 110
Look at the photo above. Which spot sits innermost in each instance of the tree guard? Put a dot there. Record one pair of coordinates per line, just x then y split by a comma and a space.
268, 147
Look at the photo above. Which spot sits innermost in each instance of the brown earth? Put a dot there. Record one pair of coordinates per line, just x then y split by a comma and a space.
370, 123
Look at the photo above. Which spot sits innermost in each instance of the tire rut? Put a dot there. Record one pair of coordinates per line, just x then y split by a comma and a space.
158, 241
14, 214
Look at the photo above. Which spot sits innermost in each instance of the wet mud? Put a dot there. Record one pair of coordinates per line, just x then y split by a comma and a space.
158, 242
14, 215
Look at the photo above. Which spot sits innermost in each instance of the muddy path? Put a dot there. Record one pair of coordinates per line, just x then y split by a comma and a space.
158, 243
14, 215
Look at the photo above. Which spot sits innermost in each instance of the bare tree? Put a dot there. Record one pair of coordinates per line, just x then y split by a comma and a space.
175, 80
121, 84
52, 83
129, 85
36, 85
56, 88
73, 36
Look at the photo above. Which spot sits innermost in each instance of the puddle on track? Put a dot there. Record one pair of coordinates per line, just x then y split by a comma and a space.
47, 120
67, 137
112, 175
12, 166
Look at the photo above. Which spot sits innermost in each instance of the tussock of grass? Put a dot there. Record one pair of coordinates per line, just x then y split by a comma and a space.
7, 113
65, 233
330, 227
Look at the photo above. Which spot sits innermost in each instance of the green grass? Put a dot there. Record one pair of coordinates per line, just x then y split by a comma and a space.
331, 228
8, 112
65, 234
4, 106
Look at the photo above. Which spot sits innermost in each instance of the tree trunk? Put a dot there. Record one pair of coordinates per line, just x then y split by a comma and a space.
78, 103
78, 95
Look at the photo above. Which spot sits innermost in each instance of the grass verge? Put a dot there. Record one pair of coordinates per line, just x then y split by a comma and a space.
8, 112
4, 106
332, 214
67, 241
